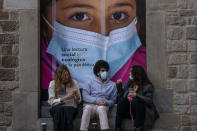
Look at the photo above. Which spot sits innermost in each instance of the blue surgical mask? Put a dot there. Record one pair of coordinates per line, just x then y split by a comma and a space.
104, 75
130, 77
80, 49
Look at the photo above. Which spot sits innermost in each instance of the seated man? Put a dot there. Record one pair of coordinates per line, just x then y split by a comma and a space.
98, 96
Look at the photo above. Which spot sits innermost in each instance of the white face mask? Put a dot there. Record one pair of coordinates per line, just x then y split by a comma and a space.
80, 49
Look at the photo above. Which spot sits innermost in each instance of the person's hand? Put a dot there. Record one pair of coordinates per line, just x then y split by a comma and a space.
102, 103
75, 93
132, 94
67, 97
119, 81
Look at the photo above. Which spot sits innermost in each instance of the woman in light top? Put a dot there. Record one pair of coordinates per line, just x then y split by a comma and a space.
64, 96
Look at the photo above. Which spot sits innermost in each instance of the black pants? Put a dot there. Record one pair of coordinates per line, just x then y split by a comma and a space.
63, 117
123, 111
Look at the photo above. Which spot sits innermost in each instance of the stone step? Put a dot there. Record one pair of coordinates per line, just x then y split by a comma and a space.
45, 117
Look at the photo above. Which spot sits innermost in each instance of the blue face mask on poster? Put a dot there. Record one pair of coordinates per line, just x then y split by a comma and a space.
80, 49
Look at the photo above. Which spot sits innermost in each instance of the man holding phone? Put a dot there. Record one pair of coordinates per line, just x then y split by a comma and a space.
99, 94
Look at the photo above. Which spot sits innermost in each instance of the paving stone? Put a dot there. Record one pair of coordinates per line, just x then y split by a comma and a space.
193, 120
183, 71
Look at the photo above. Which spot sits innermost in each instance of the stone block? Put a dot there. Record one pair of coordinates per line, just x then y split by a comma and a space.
25, 111
194, 110
3, 15
10, 61
193, 72
186, 128
193, 58
168, 121
8, 109
172, 72
15, 50
168, 6
182, 109
192, 45
4, 120
190, 4
193, 98
7, 74
179, 85
8, 38
163, 100
1, 107
181, 99
191, 33
8, 26
176, 46
5, 96
20, 4
194, 127
177, 58
175, 33
193, 120
3, 128
14, 15
188, 12
183, 71
8, 85
194, 22
29, 51
7, 50
186, 120
192, 85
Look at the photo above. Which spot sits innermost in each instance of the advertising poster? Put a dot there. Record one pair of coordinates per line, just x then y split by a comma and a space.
77, 33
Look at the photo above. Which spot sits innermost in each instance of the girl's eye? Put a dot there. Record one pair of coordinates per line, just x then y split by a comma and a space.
79, 17
119, 16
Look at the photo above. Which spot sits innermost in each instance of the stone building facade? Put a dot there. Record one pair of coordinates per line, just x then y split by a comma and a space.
171, 63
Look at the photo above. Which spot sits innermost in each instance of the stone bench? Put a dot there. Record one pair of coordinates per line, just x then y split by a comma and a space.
45, 117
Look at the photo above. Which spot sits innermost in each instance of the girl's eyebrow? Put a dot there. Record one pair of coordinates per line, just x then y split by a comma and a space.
80, 6
122, 5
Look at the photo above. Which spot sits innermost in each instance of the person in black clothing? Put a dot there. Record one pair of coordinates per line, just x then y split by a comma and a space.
139, 91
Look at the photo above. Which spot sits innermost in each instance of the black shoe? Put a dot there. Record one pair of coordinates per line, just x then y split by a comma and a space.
118, 129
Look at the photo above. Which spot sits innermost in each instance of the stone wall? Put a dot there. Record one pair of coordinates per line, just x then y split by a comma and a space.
9, 64
181, 35
171, 63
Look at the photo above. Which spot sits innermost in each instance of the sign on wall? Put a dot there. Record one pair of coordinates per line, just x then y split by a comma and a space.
77, 33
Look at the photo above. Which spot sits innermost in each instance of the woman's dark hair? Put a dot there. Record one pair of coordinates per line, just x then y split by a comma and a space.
141, 17
100, 64
139, 76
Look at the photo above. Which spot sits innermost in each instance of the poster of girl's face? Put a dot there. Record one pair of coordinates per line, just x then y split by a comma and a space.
77, 33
